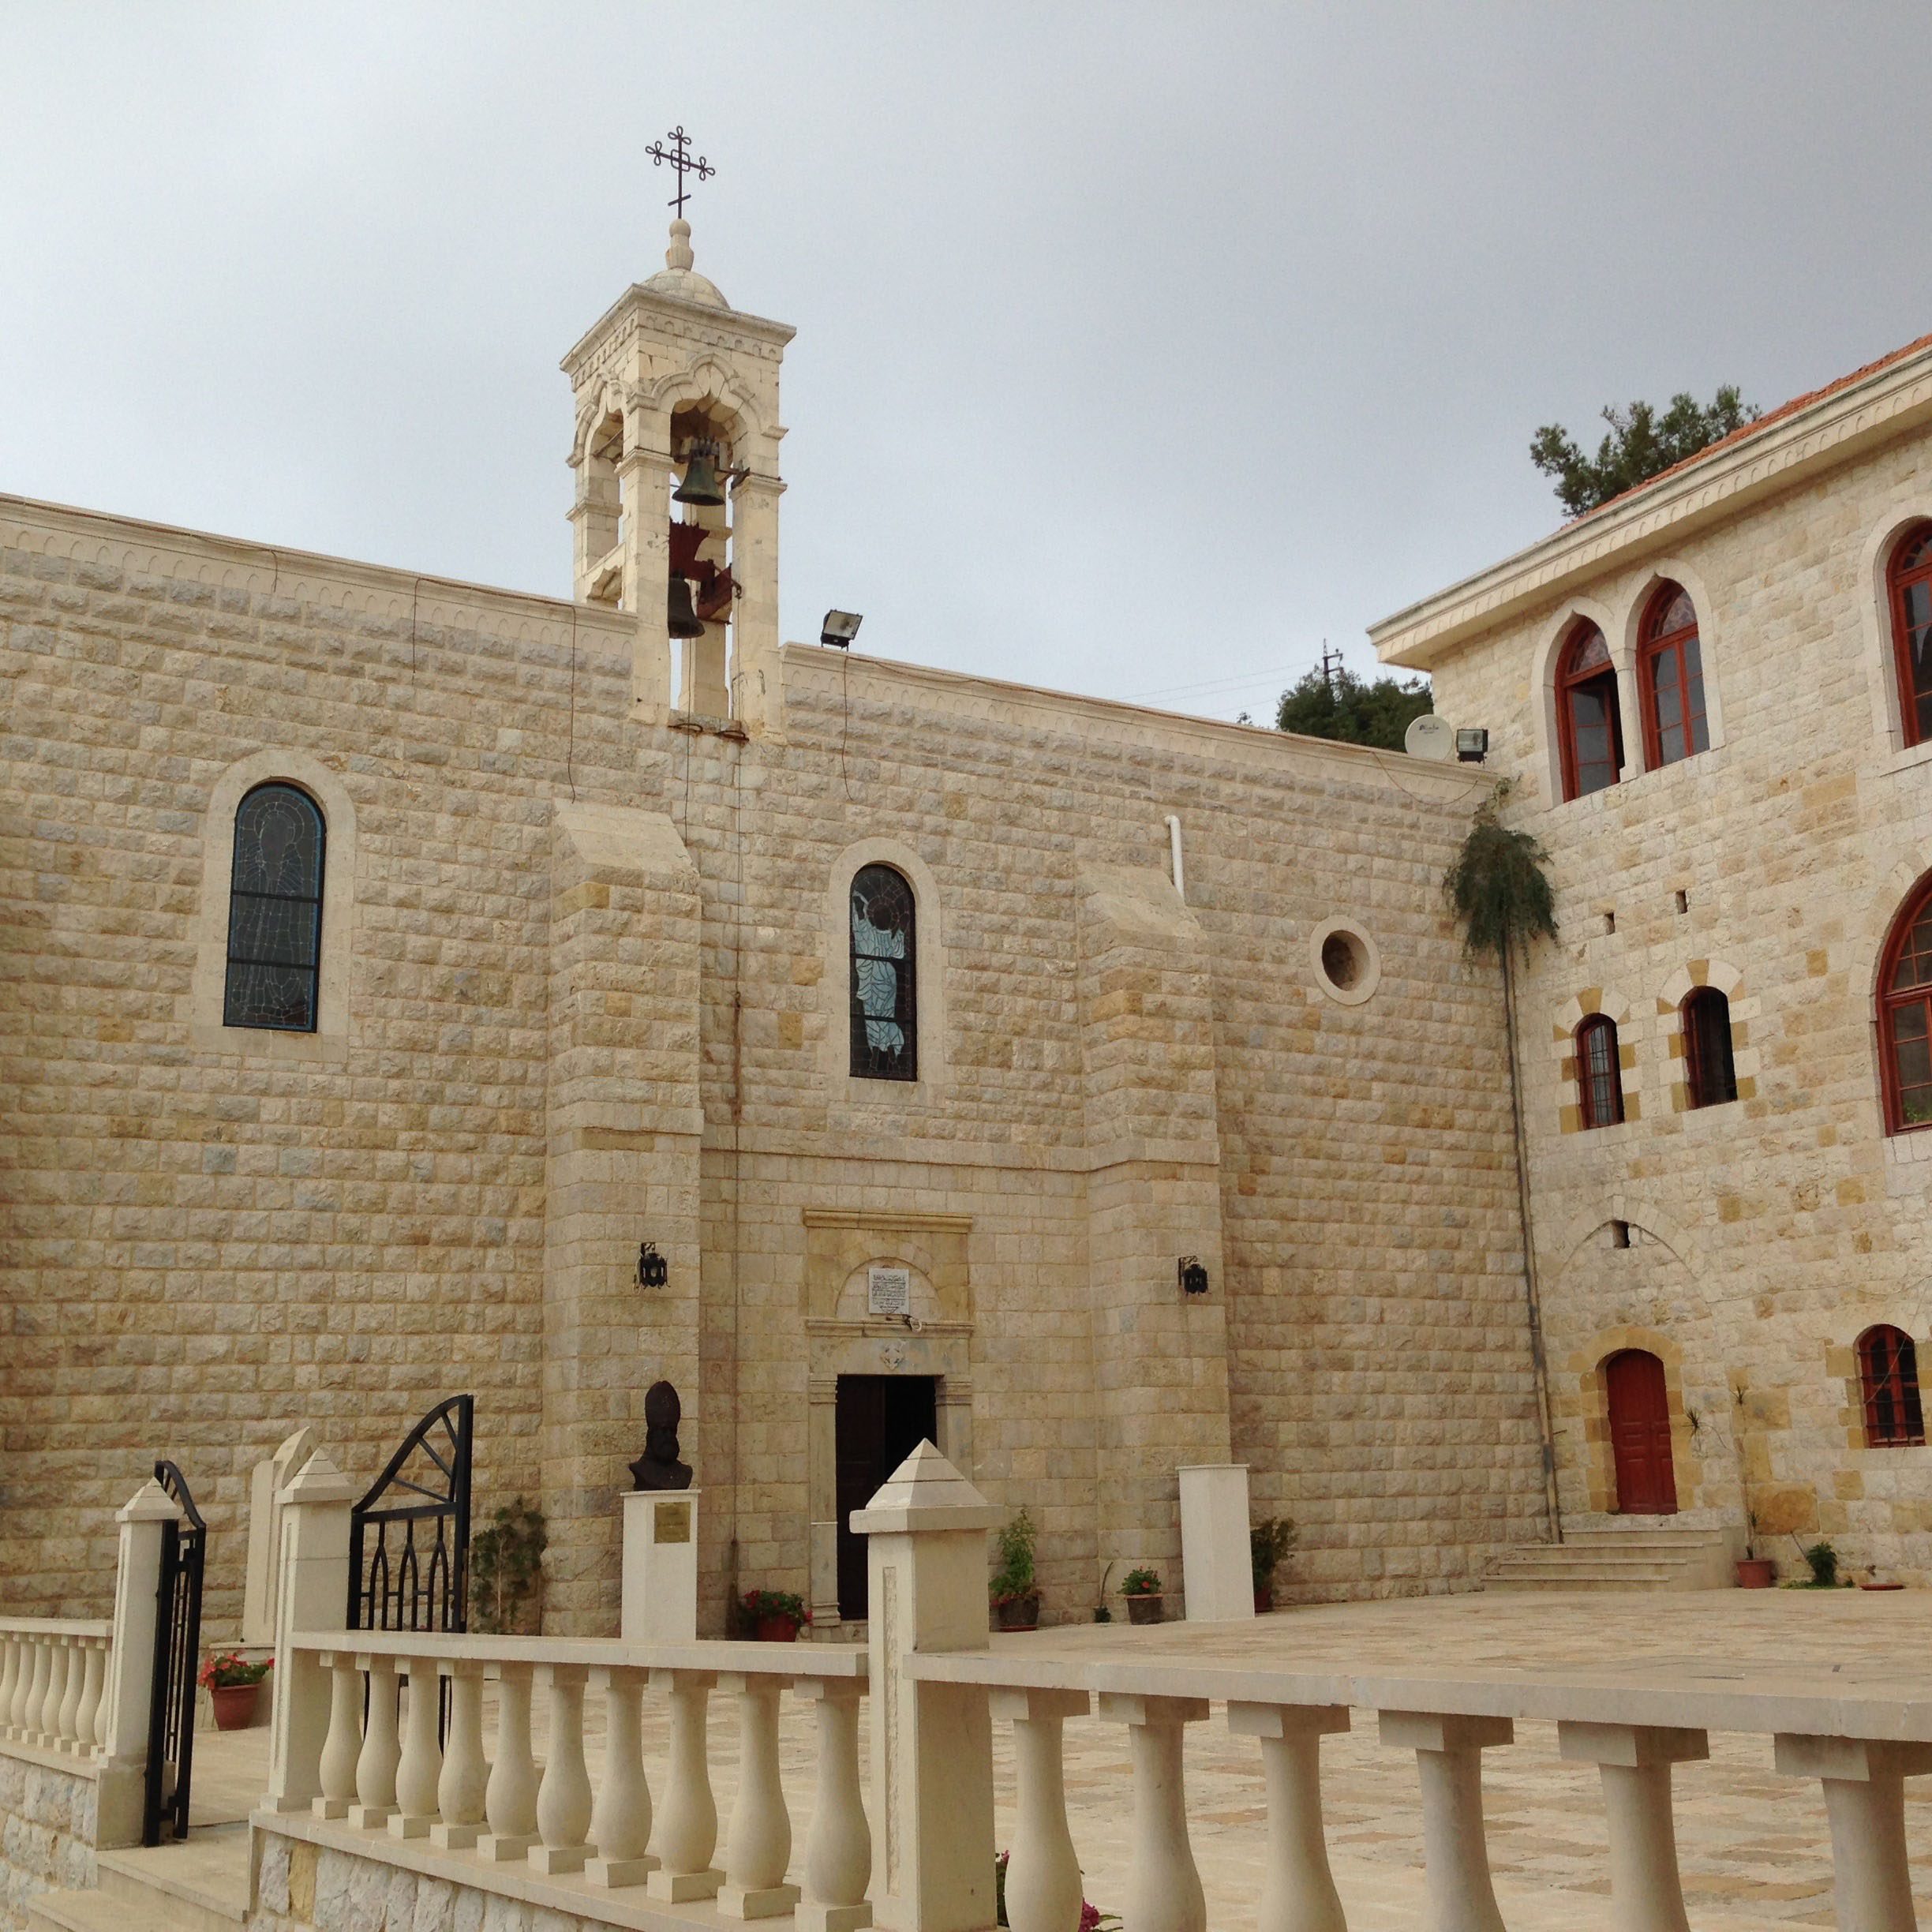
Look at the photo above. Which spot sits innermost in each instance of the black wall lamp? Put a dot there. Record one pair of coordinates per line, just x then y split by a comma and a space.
653, 1271
1193, 1276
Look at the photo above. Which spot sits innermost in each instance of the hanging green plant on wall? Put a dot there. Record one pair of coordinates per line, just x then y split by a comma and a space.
1497, 885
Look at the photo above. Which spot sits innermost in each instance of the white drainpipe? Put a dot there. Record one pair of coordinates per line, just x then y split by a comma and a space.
1174, 848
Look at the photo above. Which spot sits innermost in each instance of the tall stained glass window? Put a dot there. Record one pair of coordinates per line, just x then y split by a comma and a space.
275, 912
885, 1018
1675, 726
1588, 724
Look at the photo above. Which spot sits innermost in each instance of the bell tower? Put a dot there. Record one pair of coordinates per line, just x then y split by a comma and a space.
676, 509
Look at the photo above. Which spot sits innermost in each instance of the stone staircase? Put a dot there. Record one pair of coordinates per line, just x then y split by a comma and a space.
199, 1886
1650, 1556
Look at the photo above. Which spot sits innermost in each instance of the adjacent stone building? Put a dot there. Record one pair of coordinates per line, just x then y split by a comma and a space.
1710, 693
387, 959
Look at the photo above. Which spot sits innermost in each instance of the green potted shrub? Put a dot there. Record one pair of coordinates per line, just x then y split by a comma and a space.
506, 1572
1015, 1593
1269, 1544
775, 1616
1142, 1588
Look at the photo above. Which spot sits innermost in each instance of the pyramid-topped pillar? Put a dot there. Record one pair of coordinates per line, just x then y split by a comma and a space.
932, 1743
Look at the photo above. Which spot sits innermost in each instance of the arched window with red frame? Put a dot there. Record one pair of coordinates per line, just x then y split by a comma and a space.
1905, 1014
1910, 578
1599, 1072
1670, 674
1888, 1361
1589, 729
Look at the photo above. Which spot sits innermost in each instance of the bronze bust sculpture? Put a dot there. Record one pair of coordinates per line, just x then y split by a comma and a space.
658, 1467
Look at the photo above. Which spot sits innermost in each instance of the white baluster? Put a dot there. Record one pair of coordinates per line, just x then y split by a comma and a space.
103, 1708
1297, 1889
1634, 1760
1164, 1887
67, 1723
620, 1822
1449, 1761
343, 1745
564, 1797
687, 1819
510, 1800
461, 1789
757, 1847
1043, 1888
1864, 1784
12, 1650
87, 1713
46, 1725
838, 1848
375, 1768
28, 1730
421, 1763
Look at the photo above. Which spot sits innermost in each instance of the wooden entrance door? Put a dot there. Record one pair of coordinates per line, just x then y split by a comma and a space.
1640, 1434
881, 1420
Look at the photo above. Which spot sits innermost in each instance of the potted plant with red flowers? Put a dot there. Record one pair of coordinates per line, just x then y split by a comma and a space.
775, 1616
1142, 1588
233, 1682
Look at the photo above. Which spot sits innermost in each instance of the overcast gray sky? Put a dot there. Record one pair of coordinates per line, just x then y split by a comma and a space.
1139, 348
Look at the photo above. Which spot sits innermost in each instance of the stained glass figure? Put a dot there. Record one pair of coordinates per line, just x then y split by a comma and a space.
275, 912
884, 1024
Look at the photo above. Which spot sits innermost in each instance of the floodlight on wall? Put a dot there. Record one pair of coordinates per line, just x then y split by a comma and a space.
1471, 743
840, 628
653, 1271
1193, 1277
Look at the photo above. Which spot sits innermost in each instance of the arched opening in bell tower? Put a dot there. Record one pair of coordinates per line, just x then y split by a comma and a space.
701, 585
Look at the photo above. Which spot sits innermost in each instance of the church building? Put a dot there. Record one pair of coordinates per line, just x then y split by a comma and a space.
414, 988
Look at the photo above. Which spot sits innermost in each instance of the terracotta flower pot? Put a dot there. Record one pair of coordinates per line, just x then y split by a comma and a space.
1144, 1608
777, 1630
1756, 1572
235, 1705
1018, 1613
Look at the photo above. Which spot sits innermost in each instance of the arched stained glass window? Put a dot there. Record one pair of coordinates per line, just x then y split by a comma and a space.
1905, 1014
1599, 1072
1710, 1072
885, 958
1910, 579
1672, 679
1888, 1380
1588, 726
275, 912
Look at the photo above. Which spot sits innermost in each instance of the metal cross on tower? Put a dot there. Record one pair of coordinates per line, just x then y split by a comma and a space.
678, 155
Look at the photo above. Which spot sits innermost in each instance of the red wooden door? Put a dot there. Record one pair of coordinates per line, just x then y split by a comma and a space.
1640, 1434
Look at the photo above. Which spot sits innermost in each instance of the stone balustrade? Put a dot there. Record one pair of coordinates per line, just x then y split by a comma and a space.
1859, 1742
53, 1684
396, 1751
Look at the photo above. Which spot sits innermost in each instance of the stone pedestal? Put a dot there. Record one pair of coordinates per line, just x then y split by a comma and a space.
1215, 1567
660, 1603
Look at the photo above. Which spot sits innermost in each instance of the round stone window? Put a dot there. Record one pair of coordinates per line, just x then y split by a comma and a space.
1347, 966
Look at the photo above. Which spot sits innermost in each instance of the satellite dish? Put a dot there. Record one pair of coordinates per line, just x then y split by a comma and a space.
1429, 736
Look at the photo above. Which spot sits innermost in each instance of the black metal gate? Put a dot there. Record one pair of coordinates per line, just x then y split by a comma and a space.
176, 1653
408, 1562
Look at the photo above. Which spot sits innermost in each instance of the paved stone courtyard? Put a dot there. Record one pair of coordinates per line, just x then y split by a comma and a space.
1754, 1846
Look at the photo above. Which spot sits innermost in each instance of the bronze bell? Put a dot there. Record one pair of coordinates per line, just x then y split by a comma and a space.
681, 615
700, 485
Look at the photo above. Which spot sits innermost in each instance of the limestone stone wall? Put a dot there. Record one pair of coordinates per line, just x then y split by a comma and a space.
591, 980
47, 1833
1748, 1245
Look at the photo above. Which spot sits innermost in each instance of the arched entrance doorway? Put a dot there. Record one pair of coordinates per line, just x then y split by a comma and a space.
1640, 1434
